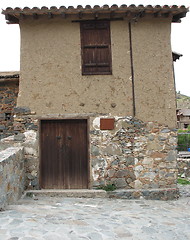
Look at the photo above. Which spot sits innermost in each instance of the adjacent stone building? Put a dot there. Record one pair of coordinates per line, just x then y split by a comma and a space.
97, 94
9, 84
183, 118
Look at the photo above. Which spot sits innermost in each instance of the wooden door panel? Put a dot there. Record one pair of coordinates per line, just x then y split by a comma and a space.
64, 159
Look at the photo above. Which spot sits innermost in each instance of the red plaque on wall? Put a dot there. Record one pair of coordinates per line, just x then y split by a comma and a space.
107, 123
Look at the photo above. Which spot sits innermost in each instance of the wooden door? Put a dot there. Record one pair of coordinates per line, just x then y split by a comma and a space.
64, 158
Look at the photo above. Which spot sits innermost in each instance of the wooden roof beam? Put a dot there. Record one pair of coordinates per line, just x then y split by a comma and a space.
11, 19
35, 16
168, 14
50, 15
157, 14
63, 15
112, 14
22, 16
177, 17
96, 15
80, 15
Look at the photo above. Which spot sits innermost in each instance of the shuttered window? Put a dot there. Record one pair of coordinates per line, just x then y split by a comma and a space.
96, 47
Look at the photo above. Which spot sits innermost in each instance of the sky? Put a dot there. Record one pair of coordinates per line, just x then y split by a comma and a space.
180, 36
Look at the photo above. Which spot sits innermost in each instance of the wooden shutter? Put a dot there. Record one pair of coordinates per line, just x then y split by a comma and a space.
96, 47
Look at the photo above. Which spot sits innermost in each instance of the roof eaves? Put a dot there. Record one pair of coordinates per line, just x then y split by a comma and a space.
176, 56
177, 12
8, 75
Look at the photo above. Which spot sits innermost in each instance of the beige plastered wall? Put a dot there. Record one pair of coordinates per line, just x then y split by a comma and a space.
153, 71
51, 81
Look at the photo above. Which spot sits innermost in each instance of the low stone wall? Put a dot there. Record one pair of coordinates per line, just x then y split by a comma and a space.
183, 165
31, 165
27, 140
12, 175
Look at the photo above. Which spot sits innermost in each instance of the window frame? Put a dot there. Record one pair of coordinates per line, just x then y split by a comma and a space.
96, 46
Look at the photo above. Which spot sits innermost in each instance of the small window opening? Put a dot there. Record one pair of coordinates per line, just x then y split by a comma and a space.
186, 125
7, 116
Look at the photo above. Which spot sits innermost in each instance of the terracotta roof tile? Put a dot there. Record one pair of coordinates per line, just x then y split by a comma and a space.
177, 12
7, 76
185, 112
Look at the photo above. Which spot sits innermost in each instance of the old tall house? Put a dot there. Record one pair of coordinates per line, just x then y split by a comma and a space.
97, 94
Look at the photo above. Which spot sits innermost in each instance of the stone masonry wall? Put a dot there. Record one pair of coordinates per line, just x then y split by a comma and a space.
8, 95
26, 133
12, 175
135, 155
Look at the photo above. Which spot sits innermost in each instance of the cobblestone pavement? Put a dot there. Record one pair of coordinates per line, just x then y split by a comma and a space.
96, 219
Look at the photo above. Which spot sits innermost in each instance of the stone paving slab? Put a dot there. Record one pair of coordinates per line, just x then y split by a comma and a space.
96, 219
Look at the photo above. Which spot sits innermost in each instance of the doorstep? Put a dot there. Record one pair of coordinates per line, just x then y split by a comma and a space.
148, 194
76, 193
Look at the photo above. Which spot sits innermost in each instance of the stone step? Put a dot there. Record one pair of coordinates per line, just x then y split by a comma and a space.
148, 194
76, 193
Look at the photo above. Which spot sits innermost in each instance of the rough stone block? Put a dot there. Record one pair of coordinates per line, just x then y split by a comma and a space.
122, 173
11, 184
2, 116
165, 130
120, 183
9, 101
172, 155
22, 110
126, 124
113, 149
129, 160
138, 184
111, 172
35, 183
95, 150
19, 137
2, 127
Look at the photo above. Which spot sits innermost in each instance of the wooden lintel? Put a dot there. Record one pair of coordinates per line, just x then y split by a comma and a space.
110, 19
35, 16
